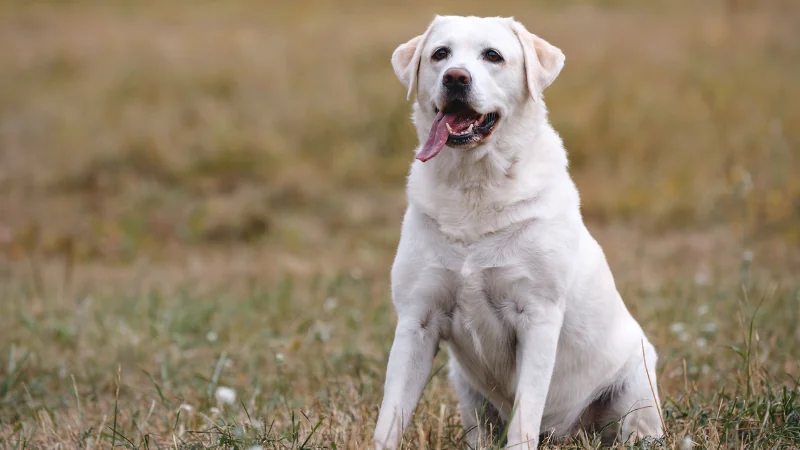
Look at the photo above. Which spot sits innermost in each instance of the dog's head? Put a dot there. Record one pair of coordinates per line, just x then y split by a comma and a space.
469, 73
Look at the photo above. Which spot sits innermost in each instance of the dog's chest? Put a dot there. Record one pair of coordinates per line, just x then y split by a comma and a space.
481, 335
465, 214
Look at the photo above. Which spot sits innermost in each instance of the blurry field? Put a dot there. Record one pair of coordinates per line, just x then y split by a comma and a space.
197, 195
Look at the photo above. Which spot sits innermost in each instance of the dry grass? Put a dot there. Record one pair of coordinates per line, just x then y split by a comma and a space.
206, 194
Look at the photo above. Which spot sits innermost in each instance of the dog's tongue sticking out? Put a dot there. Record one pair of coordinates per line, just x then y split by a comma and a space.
443, 126
437, 137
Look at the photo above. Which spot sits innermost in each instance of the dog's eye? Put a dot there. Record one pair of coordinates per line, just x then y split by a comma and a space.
440, 53
492, 56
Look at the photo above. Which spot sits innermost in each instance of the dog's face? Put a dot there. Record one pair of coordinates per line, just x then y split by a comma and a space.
469, 73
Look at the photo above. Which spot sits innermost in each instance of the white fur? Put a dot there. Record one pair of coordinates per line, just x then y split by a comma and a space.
495, 260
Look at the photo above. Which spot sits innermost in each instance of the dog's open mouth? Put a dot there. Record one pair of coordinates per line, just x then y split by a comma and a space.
457, 125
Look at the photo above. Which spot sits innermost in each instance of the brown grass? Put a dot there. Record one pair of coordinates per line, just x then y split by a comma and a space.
184, 184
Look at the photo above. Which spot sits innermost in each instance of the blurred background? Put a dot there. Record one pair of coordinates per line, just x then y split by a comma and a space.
132, 128
189, 183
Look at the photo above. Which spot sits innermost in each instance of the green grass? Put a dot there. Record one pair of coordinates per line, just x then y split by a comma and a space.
307, 361
205, 195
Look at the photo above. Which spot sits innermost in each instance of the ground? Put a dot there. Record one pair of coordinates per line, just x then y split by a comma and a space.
201, 195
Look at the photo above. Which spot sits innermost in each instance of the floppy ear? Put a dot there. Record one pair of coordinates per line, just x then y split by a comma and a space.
543, 62
406, 60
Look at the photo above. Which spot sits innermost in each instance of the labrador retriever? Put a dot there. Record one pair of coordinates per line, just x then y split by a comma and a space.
494, 257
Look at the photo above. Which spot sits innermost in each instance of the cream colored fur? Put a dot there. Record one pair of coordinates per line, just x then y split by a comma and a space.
494, 259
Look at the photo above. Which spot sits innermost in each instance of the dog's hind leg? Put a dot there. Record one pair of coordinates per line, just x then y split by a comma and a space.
482, 422
631, 410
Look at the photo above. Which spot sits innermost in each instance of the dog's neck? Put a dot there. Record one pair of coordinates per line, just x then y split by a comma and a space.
495, 185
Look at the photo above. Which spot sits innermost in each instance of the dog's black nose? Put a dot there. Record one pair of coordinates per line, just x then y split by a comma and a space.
456, 77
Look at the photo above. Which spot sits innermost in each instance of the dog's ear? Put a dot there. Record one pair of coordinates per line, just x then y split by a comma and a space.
543, 61
407, 58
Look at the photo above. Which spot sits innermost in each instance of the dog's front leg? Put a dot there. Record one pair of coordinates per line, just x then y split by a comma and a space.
538, 329
410, 362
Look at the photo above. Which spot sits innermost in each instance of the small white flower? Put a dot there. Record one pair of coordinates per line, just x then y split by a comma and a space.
279, 357
706, 369
356, 274
225, 395
322, 331
701, 342
709, 328
255, 447
686, 443
185, 407
214, 410
701, 279
702, 309
330, 304
747, 255
211, 336
746, 182
677, 327
685, 336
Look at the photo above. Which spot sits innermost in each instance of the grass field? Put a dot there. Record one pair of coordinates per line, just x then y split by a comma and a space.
204, 195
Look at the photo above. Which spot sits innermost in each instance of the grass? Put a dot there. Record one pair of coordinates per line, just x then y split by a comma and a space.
205, 195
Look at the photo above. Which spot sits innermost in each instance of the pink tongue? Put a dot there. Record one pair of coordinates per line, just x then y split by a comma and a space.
438, 136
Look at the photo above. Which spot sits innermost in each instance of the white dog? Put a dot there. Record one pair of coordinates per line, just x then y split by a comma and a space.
494, 257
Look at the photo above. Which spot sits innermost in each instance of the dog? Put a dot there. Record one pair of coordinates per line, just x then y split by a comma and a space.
494, 258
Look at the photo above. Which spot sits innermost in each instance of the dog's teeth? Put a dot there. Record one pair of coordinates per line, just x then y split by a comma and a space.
469, 130
449, 130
